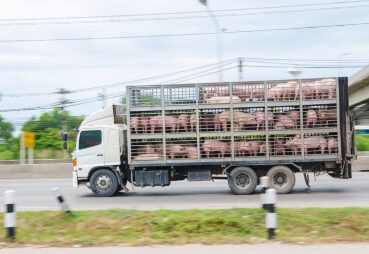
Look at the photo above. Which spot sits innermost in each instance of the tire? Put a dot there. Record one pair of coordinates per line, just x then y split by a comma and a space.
281, 178
242, 181
119, 188
103, 183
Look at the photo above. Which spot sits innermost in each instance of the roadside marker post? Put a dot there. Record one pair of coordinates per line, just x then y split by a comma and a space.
10, 214
264, 183
61, 201
271, 215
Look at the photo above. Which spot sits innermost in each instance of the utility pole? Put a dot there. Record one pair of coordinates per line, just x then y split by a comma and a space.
103, 97
240, 69
218, 38
63, 101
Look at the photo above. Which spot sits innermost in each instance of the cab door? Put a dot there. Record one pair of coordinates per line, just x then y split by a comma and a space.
90, 151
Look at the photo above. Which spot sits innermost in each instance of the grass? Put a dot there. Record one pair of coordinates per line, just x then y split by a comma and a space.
362, 142
113, 227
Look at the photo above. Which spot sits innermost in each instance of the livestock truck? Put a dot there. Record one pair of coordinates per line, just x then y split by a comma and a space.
236, 131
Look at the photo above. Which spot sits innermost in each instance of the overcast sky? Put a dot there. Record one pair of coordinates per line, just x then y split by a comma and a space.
29, 67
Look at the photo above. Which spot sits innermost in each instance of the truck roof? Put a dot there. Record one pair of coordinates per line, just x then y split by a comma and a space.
112, 114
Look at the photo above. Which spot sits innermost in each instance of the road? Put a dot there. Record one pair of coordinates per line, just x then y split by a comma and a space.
35, 194
357, 248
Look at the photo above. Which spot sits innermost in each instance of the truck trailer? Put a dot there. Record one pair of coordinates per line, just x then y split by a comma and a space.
236, 131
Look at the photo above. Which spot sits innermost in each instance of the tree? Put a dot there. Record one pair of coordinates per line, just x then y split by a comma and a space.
6, 130
48, 127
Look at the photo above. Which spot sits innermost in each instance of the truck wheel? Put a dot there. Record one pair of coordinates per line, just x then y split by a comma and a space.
103, 183
242, 180
281, 178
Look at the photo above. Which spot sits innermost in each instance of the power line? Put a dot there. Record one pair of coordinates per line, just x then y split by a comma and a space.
119, 83
184, 12
173, 81
179, 17
285, 61
93, 99
184, 34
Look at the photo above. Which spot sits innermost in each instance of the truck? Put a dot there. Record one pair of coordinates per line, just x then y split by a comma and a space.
235, 131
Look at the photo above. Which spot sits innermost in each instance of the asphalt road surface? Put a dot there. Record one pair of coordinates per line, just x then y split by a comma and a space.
35, 194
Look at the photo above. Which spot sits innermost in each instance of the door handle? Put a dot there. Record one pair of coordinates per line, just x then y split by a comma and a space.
100, 155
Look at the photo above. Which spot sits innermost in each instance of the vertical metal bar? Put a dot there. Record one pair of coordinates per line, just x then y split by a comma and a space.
338, 109
301, 120
267, 148
197, 91
164, 141
230, 87
128, 104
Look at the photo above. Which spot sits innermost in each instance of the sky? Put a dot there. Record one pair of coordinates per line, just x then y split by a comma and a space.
39, 67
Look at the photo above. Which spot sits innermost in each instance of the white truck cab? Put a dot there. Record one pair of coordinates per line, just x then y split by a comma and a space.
99, 146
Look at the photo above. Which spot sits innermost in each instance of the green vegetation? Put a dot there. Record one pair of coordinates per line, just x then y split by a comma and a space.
111, 227
362, 142
47, 127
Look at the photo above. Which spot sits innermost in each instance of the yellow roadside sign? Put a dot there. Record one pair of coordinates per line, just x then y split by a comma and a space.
28, 139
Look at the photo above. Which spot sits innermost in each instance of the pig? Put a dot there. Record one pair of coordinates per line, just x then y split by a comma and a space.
278, 126
327, 115
217, 146
193, 122
291, 91
294, 144
183, 121
332, 145
241, 147
308, 90
312, 142
148, 157
217, 122
171, 123
325, 88
284, 122
295, 117
223, 99
260, 119
262, 149
174, 150
253, 148
283, 91
240, 119
275, 93
158, 148
190, 152
222, 120
144, 123
135, 124
155, 121
311, 118
149, 148
279, 147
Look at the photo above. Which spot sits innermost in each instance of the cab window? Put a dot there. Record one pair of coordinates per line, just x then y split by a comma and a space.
89, 139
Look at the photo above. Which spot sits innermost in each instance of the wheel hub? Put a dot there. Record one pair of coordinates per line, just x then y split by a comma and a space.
280, 179
103, 182
242, 180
